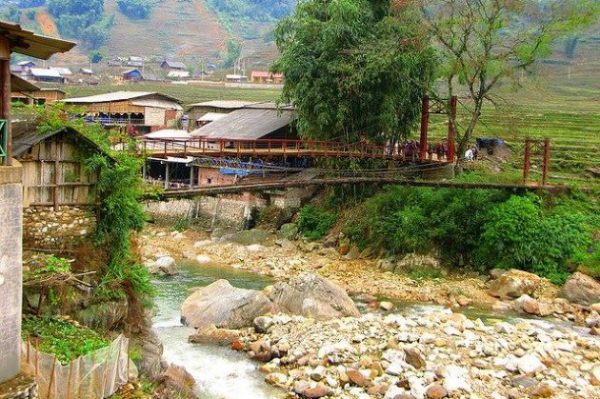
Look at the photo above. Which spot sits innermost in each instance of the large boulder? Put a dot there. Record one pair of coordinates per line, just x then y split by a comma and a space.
224, 306
582, 289
515, 283
313, 296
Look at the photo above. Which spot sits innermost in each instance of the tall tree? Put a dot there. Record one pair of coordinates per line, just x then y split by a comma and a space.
485, 42
354, 69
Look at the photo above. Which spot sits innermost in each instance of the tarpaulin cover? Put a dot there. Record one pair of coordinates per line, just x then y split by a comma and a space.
96, 375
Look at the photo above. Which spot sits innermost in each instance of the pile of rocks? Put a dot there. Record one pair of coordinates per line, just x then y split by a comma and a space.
415, 355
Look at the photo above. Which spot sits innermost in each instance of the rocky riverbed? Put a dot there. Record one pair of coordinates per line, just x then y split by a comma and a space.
396, 352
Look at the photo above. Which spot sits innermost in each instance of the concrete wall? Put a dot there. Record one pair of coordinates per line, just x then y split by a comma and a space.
11, 232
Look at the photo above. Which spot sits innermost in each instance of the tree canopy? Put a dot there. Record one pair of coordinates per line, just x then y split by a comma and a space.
354, 69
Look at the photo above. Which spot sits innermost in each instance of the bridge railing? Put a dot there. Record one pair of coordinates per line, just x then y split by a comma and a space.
264, 147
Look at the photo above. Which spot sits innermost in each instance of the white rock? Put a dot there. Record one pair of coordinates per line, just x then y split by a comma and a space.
530, 364
417, 388
203, 259
456, 379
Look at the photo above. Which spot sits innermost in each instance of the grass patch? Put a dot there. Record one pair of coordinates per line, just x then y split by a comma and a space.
314, 222
61, 337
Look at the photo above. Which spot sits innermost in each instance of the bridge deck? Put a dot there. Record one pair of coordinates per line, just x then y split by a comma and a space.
265, 148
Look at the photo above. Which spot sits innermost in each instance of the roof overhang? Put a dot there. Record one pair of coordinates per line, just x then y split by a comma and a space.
21, 85
31, 44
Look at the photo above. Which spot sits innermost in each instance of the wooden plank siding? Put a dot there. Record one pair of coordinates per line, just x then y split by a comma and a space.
54, 174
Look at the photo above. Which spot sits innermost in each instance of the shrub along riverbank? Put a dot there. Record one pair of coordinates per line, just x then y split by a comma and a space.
476, 229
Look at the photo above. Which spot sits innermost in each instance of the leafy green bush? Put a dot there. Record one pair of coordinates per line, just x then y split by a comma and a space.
182, 224
518, 234
315, 222
61, 337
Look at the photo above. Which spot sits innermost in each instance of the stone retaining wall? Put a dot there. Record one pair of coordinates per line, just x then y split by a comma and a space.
45, 228
209, 212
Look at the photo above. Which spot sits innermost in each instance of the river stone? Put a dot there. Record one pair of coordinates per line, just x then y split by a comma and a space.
288, 231
436, 391
530, 364
527, 304
595, 376
224, 306
582, 289
313, 296
514, 283
163, 265
213, 335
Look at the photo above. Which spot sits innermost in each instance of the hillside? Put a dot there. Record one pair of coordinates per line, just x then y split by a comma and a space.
195, 31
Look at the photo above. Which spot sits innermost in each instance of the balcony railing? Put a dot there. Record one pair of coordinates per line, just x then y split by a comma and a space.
3, 142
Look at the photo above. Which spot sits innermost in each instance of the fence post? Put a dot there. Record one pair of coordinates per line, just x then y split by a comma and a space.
424, 127
546, 168
452, 129
527, 160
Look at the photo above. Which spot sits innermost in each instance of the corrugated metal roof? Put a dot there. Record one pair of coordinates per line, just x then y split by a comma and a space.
155, 103
211, 117
31, 44
23, 141
168, 134
46, 73
246, 124
175, 64
118, 96
62, 71
224, 104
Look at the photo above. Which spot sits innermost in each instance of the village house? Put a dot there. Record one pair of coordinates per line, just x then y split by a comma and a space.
173, 66
59, 192
37, 96
133, 75
46, 75
266, 77
142, 111
14, 39
136, 62
258, 121
86, 71
200, 114
178, 75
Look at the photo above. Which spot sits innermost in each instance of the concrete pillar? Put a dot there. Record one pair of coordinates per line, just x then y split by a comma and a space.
167, 171
11, 279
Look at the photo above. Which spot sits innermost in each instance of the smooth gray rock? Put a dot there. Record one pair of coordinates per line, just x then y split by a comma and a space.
313, 296
224, 306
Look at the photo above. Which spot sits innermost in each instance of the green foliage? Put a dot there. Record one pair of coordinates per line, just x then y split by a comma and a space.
81, 20
53, 265
95, 56
315, 222
182, 224
519, 234
233, 51
135, 9
481, 228
354, 69
61, 337
120, 213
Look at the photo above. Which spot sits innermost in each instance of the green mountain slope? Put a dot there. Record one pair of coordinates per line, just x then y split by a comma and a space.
193, 30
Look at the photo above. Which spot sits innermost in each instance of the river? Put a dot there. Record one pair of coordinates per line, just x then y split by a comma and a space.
219, 371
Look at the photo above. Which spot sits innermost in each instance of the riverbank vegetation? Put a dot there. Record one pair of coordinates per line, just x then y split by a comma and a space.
468, 229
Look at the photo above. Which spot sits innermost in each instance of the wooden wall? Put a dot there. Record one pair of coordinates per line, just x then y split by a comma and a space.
54, 174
